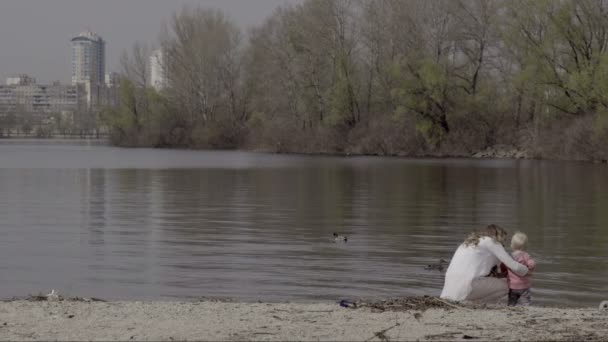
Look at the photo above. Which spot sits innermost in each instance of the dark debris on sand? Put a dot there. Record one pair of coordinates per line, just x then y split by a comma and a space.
409, 303
424, 303
47, 298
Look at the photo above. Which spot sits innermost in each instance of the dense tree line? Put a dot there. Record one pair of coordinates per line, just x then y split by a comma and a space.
389, 77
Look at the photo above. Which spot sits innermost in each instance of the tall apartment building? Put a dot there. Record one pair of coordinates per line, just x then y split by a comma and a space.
158, 75
89, 65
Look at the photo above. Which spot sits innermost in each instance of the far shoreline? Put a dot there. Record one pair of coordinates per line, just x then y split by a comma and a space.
481, 155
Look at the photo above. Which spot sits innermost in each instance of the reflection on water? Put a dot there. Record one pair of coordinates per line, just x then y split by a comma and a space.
92, 220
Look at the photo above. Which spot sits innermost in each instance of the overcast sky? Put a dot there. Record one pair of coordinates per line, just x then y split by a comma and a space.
35, 34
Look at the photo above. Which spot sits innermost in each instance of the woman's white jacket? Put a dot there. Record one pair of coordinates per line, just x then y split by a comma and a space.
471, 262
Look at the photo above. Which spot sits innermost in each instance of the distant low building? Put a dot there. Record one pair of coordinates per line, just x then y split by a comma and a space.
20, 98
21, 79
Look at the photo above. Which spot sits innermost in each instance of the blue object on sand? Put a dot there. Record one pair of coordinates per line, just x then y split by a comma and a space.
347, 303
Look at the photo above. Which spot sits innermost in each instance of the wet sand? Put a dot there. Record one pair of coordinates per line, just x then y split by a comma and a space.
209, 320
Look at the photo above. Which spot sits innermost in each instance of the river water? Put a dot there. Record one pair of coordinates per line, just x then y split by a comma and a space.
92, 220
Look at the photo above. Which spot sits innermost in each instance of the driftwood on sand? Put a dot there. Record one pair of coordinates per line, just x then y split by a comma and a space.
409, 303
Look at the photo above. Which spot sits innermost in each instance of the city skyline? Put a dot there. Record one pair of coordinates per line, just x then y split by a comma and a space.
41, 48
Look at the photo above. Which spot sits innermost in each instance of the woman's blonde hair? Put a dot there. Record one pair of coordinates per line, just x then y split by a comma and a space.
492, 231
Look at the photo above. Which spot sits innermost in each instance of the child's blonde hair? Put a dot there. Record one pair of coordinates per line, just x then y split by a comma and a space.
519, 241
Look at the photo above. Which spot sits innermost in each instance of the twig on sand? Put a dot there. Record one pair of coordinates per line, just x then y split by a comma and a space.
449, 304
37, 298
382, 334
443, 336
86, 299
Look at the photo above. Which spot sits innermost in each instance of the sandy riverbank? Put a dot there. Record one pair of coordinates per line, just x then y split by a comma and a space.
78, 320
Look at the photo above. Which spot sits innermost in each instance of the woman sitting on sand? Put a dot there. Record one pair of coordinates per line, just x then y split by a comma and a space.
467, 277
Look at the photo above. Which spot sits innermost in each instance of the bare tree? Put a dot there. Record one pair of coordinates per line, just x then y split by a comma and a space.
203, 65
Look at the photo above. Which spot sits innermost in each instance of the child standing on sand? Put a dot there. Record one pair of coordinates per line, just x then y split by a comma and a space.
519, 287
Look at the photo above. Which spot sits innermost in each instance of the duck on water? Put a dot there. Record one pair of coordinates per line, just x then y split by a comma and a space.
340, 238
440, 266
